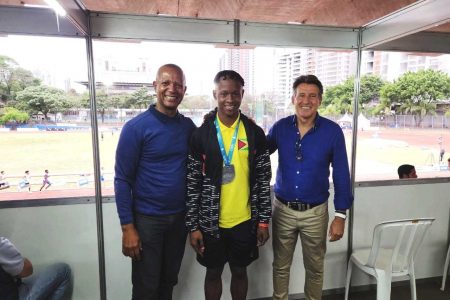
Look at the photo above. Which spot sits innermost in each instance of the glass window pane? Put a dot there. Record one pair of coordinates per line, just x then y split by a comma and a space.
404, 115
44, 123
124, 89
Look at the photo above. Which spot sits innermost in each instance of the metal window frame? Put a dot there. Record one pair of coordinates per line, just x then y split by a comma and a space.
397, 31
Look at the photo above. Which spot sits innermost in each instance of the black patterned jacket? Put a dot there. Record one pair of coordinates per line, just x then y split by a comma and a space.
205, 174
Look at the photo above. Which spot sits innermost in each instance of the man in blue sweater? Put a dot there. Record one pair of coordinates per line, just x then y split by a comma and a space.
307, 144
150, 188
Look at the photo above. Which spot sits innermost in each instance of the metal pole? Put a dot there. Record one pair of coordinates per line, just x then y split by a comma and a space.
237, 26
354, 138
96, 154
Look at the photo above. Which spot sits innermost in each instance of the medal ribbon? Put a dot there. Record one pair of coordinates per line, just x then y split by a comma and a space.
226, 158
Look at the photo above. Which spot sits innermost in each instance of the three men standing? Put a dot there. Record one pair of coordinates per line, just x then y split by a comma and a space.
150, 188
228, 188
307, 144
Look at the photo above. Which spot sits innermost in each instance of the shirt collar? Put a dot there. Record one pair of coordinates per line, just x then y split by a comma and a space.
162, 117
233, 126
317, 121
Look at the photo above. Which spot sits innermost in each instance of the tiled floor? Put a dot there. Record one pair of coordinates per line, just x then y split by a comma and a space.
429, 290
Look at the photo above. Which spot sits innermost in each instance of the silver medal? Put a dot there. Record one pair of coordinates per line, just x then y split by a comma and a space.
228, 174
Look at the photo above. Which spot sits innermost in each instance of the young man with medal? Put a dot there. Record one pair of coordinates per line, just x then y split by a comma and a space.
228, 181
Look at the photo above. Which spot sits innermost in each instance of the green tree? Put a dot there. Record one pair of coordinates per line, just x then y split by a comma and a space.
14, 79
338, 99
105, 102
416, 93
11, 114
119, 100
72, 101
41, 99
140, 99
101, 101
196, 102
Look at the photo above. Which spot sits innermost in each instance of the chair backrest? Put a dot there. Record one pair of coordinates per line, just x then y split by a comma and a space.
408, 235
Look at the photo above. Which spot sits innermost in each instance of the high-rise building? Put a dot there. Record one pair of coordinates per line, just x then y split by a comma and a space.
391, 65
243, 62
331, 67
289, 66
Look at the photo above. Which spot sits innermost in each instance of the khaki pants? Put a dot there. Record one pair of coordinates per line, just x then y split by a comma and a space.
312, 226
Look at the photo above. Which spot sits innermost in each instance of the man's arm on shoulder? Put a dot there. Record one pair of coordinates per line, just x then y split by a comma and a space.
263, 175
272, 139
195, 169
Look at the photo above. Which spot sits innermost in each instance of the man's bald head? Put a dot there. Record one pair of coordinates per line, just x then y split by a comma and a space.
170, 86
173, 67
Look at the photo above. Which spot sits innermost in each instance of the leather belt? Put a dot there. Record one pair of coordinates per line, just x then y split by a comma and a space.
297, 205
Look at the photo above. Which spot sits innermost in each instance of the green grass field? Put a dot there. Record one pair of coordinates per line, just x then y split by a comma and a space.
59, 152
378, 154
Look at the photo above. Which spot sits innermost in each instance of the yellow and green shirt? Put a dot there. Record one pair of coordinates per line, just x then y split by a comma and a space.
234, 196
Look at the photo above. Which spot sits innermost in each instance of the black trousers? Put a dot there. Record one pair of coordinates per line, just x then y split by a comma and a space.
163, 241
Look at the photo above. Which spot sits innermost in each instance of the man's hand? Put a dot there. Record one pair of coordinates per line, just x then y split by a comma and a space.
262, 235
336, 229
131, 243
196, 238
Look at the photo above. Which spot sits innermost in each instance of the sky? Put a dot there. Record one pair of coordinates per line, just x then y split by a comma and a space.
63, 58
58, 59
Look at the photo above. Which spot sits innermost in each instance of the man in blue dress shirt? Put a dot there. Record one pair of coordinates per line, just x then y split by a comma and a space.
307, 144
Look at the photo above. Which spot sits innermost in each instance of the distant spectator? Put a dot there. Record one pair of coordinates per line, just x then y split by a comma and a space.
448, 162
406, 171
26, 181
45, 182
441, 154
83, 180
3, 183
18, 281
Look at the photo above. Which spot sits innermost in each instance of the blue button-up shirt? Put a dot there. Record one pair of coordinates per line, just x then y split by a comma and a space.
303, 170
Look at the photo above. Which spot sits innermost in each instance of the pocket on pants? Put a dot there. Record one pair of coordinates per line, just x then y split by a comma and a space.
321, 209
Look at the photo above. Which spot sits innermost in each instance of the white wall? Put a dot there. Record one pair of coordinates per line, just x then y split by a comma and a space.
68, 233
191, 276
377, 204
49, 234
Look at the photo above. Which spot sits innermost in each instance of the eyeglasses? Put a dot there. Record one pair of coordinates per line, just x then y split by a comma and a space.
298, 149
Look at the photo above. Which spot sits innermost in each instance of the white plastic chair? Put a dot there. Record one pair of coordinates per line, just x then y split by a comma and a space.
444, 277
395, 260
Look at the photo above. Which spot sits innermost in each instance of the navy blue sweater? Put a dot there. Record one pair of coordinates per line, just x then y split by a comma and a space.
150, 170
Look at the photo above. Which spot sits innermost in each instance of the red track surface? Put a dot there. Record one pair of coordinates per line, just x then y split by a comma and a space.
12, 194
414, 137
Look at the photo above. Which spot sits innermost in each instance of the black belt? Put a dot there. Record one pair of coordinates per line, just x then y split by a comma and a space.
297, 205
